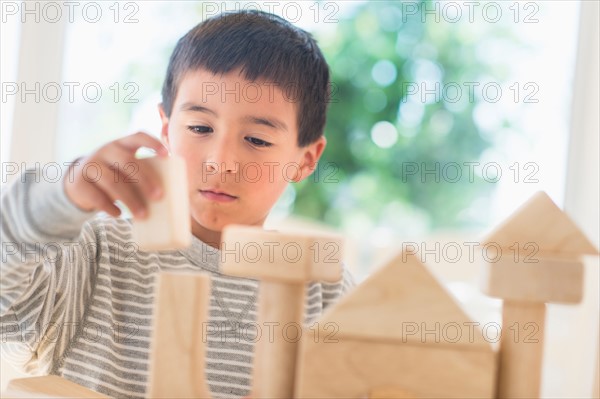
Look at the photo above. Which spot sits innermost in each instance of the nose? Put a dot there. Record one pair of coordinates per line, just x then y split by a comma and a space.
221, 157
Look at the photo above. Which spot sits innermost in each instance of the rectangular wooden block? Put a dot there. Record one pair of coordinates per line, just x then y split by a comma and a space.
178, 348
275, 356
558, 280
356, 369
168, 225
281, 256
521, 349
49, 386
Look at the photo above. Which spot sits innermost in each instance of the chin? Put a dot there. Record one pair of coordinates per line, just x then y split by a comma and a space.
214, 220
211, 220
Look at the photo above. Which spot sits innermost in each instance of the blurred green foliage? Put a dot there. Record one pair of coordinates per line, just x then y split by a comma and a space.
375, 54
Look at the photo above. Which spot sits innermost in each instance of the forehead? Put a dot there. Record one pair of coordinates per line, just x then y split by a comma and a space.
232, 92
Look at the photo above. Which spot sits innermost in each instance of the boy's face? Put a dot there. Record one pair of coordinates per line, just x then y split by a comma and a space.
238, 138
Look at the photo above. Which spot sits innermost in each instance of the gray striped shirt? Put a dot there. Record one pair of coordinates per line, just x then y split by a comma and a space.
76, 297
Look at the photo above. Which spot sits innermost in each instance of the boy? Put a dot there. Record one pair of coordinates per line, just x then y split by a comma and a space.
85, 311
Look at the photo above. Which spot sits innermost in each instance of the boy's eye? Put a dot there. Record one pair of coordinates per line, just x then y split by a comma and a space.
200, 129
258, 142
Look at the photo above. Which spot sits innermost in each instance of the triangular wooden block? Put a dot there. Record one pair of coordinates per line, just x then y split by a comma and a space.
402, 301
541, 222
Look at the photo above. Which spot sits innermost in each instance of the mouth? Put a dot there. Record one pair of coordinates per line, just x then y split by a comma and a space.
217, 196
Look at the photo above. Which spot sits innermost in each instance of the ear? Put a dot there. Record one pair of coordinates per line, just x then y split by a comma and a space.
164, 131
310, 157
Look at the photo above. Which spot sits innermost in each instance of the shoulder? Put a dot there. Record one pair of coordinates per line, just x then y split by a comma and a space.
106, 232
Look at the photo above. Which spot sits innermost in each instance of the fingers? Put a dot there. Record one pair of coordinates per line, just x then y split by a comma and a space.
141, 139
131, 171
118, 175
116, 188
88, 196
104, 202
133, 182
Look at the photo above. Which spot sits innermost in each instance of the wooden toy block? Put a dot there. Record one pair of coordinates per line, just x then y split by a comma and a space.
541, 222
284, 262
352, 368
390, 393
382, 337
168, 225
49, 386
400, 293
553, 273
270, 255
178, 345
548, 280
521, 349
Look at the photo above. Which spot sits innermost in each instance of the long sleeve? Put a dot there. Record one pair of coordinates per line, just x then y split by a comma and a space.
46, 271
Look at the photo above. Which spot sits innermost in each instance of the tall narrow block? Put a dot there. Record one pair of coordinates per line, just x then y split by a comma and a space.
168, 225
284, 262
177, 356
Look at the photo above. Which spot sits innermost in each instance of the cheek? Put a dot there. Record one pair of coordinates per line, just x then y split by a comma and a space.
272, 180
290, 171
176, 141
181, 146
275, 175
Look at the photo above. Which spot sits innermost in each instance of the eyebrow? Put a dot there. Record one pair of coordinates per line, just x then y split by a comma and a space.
197, 108
270, 122
257, 120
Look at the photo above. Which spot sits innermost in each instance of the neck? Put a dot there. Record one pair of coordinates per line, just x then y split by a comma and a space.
210, 237
213, 237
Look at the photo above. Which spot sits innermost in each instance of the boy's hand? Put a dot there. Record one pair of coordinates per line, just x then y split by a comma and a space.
113, 173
